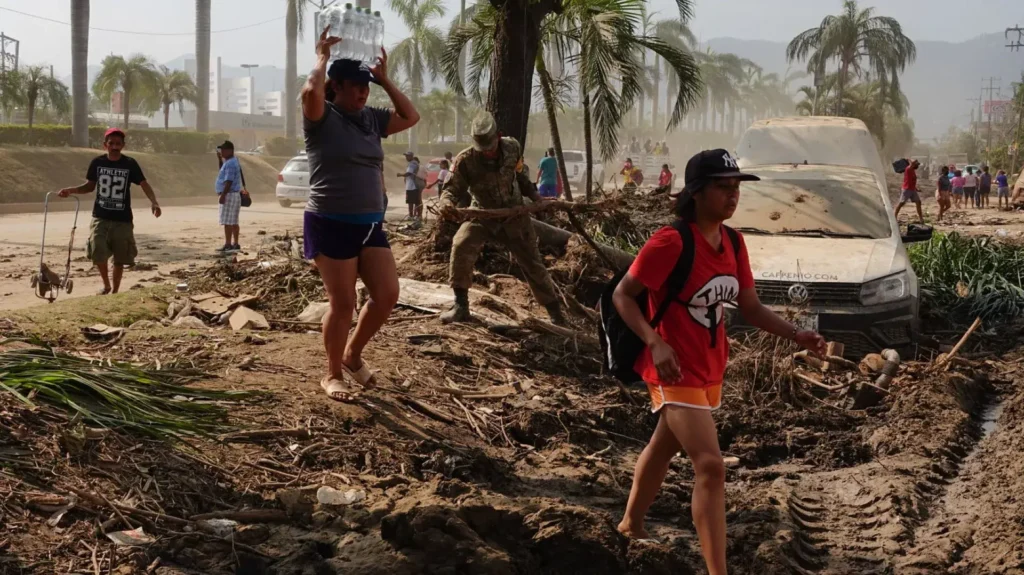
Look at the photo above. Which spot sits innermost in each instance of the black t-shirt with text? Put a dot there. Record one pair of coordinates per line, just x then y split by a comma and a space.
113, 187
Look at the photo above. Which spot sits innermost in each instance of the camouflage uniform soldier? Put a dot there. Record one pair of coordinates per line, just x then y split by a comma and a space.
487, 176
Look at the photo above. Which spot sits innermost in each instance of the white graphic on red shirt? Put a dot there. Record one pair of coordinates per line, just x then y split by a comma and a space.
706, 305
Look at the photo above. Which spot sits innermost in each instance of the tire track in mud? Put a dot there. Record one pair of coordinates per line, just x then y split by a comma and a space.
880, 517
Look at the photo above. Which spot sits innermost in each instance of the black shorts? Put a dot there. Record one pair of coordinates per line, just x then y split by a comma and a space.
339, 240
414, 197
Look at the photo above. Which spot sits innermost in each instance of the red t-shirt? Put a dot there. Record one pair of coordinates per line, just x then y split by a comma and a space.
696, 331
910, 178
665, 178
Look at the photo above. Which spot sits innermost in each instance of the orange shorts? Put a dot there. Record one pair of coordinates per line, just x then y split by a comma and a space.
708, 397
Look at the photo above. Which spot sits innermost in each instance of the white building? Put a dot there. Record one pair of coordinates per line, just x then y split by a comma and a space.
270, 104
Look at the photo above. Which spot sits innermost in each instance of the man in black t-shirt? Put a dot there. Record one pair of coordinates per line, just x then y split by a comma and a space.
111, 233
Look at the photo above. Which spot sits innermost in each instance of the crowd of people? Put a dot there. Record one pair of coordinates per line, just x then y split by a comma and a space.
956, 189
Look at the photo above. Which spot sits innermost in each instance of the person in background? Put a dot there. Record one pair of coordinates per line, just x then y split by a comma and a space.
958, 189
984, 187
229, 187
684, 360
664, 148
1002, 190
413, 193
343, 222
112, 231
910, 193
942, 191
442, 176
648, 146
664, 180
971, 187
448, 156
634, 146
547, 176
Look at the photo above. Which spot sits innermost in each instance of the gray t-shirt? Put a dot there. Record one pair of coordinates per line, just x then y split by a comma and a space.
345, 161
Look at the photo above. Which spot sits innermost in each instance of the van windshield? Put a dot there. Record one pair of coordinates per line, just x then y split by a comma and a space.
813, 204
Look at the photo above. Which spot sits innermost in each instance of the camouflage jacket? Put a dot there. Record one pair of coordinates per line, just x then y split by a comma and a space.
484, 183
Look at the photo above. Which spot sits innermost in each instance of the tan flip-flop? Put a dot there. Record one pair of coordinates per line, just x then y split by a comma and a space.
363, 376
338, 391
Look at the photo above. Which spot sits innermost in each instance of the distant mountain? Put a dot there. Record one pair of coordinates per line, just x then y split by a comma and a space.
938, 84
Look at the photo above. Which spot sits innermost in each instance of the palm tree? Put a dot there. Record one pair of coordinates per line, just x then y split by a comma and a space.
722, 75
420, 53
35, 89
853, 37
173, 87
295, 15
676, 33
80, 73
203, 65
598, 38
135, 73
438, 106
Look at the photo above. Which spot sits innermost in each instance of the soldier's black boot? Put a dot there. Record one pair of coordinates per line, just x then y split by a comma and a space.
460, 311
555, 312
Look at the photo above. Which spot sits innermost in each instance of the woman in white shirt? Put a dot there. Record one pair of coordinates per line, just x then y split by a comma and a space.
971, 188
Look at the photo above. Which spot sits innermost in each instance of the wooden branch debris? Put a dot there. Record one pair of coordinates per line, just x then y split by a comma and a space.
945, 359
542, 326
462, 214
258, 434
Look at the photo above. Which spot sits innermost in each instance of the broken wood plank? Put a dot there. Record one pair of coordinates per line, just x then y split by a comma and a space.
428, 410
956, 348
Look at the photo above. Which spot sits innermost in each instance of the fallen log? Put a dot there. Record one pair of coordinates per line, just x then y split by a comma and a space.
556, 237
463, 214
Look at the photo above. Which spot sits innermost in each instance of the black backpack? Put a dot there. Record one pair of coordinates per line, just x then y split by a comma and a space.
620, 346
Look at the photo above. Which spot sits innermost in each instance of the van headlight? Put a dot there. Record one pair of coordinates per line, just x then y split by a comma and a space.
885, 290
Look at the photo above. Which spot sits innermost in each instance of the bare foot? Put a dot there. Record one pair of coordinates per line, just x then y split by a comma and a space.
631, 532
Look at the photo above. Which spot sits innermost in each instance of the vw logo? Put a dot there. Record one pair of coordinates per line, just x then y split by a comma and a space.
798, 294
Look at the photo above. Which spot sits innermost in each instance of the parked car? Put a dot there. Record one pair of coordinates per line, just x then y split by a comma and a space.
576, 167
821, 234
293, 181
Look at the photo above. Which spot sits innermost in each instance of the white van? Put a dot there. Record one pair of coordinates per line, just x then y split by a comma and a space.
821, 233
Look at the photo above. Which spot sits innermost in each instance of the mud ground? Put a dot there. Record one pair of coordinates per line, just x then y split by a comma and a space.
485, 452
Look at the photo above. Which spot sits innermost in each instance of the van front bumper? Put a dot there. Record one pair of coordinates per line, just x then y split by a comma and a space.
861, 330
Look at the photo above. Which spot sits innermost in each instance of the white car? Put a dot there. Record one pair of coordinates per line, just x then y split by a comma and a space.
576, 167
821, 234
293, 182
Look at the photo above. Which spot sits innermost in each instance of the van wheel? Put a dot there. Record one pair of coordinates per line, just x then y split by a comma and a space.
285, 203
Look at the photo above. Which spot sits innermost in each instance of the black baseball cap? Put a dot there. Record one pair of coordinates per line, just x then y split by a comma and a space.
354, 70
227, 144
710, 164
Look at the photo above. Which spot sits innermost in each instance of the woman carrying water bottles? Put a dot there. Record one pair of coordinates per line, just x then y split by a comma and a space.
342, 225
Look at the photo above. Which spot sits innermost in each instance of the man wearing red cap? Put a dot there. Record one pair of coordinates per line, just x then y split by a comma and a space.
111, 233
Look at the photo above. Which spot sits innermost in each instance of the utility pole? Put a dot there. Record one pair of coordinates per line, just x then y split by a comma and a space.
974, 126
8, 59
1015, 45
991, 88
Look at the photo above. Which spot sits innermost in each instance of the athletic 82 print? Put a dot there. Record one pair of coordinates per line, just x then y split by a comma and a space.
111, 184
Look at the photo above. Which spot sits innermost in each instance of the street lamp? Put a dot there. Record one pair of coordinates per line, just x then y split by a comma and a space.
249, 67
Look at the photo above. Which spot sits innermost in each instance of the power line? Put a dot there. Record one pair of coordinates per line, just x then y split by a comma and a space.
138, 33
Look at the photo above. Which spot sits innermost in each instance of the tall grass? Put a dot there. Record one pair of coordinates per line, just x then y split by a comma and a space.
115, 395
963, 278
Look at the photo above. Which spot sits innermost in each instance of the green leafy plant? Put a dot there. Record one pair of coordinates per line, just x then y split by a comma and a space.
971, 277
154, 403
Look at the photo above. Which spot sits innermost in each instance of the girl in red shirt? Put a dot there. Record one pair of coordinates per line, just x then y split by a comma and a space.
686, 354
664, 180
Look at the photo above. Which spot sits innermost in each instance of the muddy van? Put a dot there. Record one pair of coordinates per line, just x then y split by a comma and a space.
821, 233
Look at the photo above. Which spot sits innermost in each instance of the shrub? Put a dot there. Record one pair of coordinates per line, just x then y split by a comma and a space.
139, 139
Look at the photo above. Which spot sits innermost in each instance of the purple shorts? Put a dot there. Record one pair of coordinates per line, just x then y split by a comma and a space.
339, 240
547, 191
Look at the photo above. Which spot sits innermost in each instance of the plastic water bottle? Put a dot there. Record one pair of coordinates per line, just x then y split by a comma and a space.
366, 36
334, 20
347, 30
378, 35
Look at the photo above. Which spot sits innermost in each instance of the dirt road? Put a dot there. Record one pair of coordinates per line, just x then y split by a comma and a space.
185, 236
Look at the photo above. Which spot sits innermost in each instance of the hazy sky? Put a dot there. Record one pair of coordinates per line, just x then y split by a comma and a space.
49, 42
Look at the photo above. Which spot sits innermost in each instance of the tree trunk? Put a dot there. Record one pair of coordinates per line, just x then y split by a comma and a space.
126, 104
203, 65
548, 235
588, 147
80, 73
167, 116
460, 108
31, 113
549, 107
657, 91
291, 30
516, 37
843, 69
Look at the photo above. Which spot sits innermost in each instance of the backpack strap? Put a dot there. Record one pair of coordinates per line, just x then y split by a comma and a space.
680, 273
734, 239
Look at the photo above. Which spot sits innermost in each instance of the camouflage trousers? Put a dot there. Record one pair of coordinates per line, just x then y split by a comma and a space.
519, 237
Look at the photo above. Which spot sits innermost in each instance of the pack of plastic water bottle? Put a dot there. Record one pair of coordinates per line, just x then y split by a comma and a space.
361, 33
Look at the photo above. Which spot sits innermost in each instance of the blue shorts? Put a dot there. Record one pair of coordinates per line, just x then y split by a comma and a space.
547, 190
339, 240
